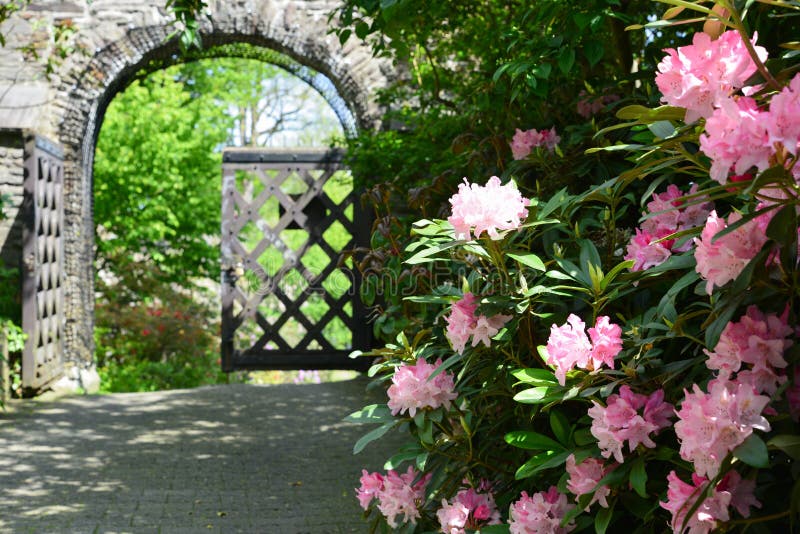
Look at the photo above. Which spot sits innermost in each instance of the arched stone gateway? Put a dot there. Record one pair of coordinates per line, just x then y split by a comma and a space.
121, 39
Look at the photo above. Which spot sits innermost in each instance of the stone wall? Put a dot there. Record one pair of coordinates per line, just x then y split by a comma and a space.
11, 176
113, 40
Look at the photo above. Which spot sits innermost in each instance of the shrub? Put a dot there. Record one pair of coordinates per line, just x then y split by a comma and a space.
640, 377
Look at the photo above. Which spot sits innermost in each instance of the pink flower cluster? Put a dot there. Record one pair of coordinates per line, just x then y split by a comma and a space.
487, 209
589, 105
397, 494
739, 135
757, 340
667, 215
569, 347
722, 260
630, 417
524, 141
700, 76
583, 479
540, 512
412, 389
681, 497
713, 424
463, 324
469, 509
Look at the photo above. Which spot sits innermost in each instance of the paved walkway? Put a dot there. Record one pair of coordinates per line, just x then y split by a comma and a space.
236, 458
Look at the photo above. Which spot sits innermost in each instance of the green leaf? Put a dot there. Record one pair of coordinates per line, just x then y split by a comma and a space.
494, 529
603, 518
374, 413
362, 30
535, 376
612, 274
753, 452
540, 462
395, 461
638, 477
560, 425
531, 260
647, 115
594, 52
788, 443
538, 395
783, 227
534, 441
566, 59
371, 436
425, 254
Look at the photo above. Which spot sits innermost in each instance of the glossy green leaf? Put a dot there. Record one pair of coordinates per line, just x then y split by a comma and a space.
374, 413
371, 436
537, 395
753, 452
531, 260
534, 441
540, 462
535, 376
788, 443
638, 477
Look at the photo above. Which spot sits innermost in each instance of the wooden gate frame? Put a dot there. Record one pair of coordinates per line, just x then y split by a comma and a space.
296, 213
42, 269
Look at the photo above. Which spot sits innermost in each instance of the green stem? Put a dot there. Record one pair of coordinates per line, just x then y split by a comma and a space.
739, 25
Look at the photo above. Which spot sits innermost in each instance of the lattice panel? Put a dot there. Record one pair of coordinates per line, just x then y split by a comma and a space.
43, 264
288, 302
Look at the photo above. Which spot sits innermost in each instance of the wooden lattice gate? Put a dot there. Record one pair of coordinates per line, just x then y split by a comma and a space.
42, 264
288, 301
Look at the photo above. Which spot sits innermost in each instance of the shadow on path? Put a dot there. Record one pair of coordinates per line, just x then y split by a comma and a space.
233, 458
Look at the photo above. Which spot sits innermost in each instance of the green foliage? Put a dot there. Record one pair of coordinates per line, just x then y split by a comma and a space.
167, 339
156, 179
513, 423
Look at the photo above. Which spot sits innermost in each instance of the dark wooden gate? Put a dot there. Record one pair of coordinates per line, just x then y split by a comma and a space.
42, 263
288, 301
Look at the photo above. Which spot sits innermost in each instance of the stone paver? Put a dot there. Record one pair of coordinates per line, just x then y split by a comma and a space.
233, 458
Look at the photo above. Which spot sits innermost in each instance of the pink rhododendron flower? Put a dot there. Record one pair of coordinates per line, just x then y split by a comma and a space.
630, 417
371, 485
469, 509
784, 124
539, 513
589, 105
487, 327
550, 138
713, 424
702, 75
463, 324
461, 321
487, 209
569, 347
412, 388
666, 214
400, 495
681, 497
646, 252
583, 478
757, 340
736, 138
724, 259
606, 341
524, 141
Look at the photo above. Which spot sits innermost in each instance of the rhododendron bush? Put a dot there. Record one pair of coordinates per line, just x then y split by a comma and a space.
578, 372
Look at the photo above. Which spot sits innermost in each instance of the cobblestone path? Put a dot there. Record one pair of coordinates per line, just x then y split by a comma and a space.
233, 458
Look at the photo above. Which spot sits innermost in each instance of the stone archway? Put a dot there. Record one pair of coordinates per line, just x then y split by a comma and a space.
126, 39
